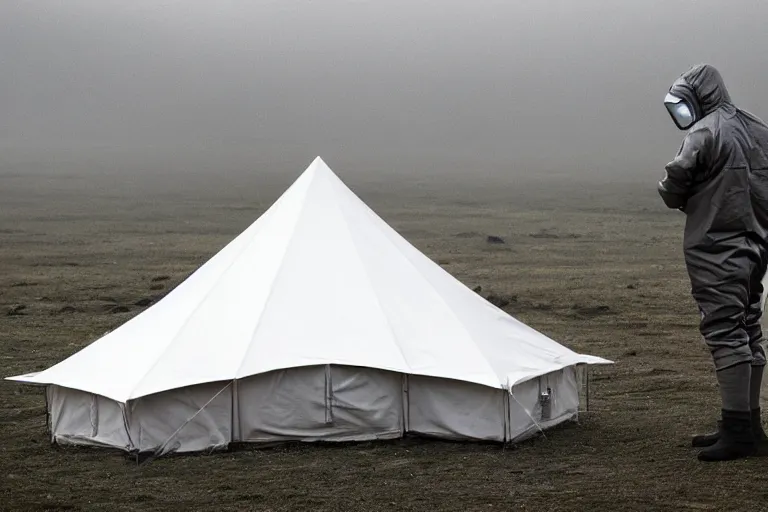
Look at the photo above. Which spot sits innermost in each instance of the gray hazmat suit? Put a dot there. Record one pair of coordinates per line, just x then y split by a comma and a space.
719, 179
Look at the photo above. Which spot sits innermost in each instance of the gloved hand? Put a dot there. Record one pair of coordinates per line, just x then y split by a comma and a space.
672, 200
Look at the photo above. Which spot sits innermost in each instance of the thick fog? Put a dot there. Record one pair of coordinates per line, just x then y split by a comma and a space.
507, 87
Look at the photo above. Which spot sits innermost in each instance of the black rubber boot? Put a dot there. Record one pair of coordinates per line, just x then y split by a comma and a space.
736, 439
704, 440
761, 440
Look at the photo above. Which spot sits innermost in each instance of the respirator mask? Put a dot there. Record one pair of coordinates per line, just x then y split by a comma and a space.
682, 113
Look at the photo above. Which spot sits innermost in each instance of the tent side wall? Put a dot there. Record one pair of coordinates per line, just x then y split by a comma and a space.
313, 403
529, 414
192, 419
320, 403
343, 403
85, 419
458, 410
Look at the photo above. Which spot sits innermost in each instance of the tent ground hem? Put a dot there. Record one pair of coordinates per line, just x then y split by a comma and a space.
314, 404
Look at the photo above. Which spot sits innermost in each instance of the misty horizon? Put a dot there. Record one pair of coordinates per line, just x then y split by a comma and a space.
492, 87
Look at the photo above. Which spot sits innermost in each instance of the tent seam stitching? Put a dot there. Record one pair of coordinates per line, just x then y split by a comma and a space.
370, 281
279, 271
370, 212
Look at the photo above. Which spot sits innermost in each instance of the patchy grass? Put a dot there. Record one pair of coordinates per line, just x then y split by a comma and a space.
600, 271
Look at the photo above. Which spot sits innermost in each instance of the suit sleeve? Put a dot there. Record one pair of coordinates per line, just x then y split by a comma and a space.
692, 160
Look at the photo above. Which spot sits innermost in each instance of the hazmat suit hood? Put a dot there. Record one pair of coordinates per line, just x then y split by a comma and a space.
702, 90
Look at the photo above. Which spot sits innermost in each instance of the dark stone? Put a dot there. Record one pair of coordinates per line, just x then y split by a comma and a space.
501, 301
17, 310
592, 310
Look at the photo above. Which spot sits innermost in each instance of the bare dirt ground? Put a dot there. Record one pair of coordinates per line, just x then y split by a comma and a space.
598, 268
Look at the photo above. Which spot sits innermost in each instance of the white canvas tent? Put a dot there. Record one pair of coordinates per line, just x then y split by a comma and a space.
318, 322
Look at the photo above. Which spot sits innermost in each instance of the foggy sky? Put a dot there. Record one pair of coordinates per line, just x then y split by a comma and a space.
427, 86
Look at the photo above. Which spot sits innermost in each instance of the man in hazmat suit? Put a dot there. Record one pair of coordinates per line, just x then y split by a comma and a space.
719, 179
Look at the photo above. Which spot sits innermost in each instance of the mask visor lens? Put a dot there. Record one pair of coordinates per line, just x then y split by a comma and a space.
680, 111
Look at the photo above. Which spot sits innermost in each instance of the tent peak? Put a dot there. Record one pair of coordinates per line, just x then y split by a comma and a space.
319, 167
319, 164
